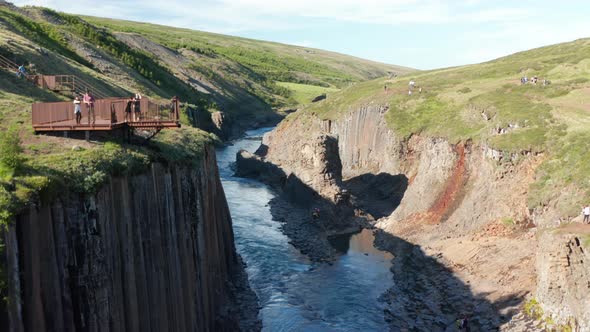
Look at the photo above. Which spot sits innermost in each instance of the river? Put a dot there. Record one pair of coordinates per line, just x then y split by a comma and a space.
296, 294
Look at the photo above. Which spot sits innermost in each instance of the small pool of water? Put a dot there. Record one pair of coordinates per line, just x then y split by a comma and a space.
296, 294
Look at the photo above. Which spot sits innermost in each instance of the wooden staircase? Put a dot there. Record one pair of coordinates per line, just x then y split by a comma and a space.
56, 83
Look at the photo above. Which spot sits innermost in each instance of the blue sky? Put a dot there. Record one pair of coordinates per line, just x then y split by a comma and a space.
422, 34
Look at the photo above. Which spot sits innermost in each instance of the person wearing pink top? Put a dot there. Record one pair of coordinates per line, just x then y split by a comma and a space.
89, 102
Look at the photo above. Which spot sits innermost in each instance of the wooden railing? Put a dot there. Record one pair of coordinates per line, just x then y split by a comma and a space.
63, 83
109, 113
8, 64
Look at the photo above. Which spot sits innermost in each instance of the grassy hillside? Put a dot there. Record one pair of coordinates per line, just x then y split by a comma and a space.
209, 71
214, 72
274, 61
487, 104
303, 94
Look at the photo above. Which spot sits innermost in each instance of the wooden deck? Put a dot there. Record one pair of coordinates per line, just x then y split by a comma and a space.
109, 113
69, 125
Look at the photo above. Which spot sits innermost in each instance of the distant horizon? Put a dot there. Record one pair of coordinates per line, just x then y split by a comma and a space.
395, 32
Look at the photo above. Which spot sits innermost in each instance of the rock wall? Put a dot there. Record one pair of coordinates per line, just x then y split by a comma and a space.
461, 204
152, 252
563, 289
458, 183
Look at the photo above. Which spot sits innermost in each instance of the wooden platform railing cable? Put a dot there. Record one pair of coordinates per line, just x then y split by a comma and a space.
56, 82
7, 64
82, 86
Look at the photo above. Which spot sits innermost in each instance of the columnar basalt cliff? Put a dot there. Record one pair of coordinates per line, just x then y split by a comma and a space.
459, 205
152, 252
563, 262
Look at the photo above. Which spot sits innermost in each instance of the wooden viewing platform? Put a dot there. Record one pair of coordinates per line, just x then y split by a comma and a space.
110, 114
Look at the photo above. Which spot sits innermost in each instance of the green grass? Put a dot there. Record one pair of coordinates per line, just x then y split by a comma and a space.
240, 76
303, 94
145, 64
254, 66
43, 33
86, 170
486, 104
274, 61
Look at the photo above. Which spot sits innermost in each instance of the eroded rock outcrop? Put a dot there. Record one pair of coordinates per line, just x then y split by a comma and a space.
563, 265
152, 252
451, 199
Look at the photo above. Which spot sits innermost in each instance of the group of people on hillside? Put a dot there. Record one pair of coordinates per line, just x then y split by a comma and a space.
132, 108
533, 80
412, 87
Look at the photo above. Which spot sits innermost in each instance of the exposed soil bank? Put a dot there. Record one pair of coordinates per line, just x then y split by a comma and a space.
153, 252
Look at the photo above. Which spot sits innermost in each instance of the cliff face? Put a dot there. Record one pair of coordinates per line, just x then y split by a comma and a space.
563, 262
454, 200
153, 252
449, 182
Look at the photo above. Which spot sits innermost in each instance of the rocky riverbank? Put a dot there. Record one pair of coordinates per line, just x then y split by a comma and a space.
455, 221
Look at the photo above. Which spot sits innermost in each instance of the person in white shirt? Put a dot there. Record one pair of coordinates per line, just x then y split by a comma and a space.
586, 212
77, 110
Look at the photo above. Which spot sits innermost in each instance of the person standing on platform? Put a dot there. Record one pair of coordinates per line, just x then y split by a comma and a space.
77, 110
89, 102
137, 107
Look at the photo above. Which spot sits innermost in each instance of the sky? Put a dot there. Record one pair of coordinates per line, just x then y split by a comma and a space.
423, 34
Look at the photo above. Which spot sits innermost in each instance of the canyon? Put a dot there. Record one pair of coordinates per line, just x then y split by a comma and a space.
149, 252
456, 220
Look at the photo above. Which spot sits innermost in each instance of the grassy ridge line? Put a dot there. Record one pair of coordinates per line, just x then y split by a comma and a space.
141, 62
275, 61
485, 103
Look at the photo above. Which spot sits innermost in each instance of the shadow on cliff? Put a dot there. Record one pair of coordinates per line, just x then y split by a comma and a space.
378, 194
428, 295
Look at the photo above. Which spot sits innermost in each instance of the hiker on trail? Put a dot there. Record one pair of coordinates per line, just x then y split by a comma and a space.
89, 102
22, 70
534, 80
175, 102
409, 92
420, 89
78, 110
586, 212
412, 84
137, 107
128, 108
